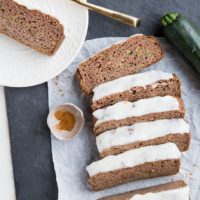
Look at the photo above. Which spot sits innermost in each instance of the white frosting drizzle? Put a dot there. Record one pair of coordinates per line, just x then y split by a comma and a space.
140, 132
125, 109
175, 194
134, 157
127, 82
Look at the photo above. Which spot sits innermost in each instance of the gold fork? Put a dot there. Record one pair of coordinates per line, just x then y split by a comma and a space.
127, 19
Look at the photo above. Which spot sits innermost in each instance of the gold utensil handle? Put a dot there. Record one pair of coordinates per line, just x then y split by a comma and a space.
127, 19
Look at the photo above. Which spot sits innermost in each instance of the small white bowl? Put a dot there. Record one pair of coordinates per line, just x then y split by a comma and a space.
53, 122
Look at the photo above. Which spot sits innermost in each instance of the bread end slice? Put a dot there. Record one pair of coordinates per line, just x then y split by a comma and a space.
121, 59
30, 27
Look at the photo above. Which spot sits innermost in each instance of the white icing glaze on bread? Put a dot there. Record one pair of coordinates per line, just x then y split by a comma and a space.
127, 82
125, 109
142, 131
132, 158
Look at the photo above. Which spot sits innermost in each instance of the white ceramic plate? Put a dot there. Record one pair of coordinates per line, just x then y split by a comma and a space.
21, 66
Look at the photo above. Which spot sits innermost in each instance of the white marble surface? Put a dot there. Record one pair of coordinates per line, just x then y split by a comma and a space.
71, 158
7, 188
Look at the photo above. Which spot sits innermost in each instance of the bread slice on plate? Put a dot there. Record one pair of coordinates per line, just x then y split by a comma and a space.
121, 59
30, 27
125, 113
135, 87
173, 190
136, 164
142, 134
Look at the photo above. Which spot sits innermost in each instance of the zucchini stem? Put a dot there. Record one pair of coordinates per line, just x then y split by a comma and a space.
168, 18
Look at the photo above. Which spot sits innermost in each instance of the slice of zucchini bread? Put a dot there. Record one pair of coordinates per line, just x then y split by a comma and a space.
142, 134
30, 27
121, 59
125, 113
132, 165
135, 87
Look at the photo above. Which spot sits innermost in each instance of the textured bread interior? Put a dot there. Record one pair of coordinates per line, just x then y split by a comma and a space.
30, 27
121, 59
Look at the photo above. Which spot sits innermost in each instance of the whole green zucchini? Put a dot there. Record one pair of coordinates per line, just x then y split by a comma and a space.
185, 35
